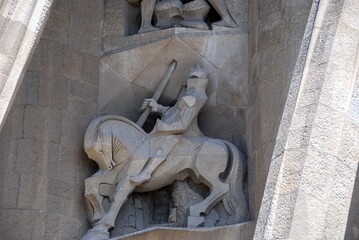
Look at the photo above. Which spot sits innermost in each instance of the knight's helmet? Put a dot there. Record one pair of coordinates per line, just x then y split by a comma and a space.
198, 78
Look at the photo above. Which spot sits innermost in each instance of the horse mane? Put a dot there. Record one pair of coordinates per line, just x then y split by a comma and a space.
123, 135
93, 130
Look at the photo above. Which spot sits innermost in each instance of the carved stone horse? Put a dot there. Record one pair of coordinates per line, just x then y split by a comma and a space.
121, 149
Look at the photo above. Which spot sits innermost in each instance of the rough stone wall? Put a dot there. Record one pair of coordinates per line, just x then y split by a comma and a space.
21, 25
313, 169
42, 163
276, 32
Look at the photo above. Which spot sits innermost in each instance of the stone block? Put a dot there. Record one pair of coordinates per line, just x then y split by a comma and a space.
73, 129
270, 30
30, 156
35, 63
318, 164
85, 26
267, 7
9, 188
120, 18
229, 46
80, 106
50, 225
72, 63
44, 90
35, 122
32, 192
108, 79
58, 206
15, 120
57, 27
60, 188
28, 91
268, 65
12, 38
131, 63
83, 90
12, 220
70, 228
59, 93
53, 160
62, 5
78, 210
51, 57
90, 69
327, 129
54, 126
72, 155
295, 18
69, 172
239, 12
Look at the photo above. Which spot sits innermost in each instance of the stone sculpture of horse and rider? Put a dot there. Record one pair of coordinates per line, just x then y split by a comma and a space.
131, 160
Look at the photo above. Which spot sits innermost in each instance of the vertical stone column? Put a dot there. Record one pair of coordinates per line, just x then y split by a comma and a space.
314, 164
22, 22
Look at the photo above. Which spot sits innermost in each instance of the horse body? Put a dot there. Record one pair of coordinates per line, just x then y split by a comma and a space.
179, 166
118, 141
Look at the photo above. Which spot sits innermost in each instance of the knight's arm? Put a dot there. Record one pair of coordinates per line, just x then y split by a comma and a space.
190, 110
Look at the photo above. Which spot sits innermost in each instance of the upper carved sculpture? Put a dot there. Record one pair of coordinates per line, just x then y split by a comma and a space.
132, 160
167, 13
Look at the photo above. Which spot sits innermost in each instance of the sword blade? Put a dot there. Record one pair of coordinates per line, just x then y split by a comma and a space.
159, 90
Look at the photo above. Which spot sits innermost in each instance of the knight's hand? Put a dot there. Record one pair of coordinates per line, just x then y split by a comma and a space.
149, 102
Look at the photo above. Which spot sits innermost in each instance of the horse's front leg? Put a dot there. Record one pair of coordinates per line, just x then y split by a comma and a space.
100, 230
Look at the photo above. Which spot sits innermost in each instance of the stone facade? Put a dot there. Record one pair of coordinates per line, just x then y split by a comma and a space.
283, 89
43, 164
276, 32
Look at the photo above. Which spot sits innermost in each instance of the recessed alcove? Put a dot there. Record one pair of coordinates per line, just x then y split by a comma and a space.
131, 73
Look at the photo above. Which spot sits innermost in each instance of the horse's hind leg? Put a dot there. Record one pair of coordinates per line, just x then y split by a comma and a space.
211, 162
217, 193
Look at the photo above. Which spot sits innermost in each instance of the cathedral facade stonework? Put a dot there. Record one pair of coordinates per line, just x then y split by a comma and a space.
179, 119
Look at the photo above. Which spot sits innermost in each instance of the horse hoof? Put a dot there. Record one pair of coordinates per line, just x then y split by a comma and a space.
95, 234
194, 221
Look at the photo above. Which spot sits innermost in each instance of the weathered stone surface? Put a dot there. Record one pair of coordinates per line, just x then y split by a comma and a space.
42, 172
19, 36
310, 183
275, 29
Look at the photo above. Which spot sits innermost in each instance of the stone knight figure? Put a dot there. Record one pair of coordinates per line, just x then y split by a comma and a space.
179, 120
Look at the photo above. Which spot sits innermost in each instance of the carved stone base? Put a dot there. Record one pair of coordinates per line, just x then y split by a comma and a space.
243, 231
194, 221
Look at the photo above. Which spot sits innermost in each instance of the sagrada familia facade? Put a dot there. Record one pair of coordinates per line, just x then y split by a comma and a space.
179, 119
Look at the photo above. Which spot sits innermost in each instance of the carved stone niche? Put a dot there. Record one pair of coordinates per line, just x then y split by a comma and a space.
126, 18
127, 194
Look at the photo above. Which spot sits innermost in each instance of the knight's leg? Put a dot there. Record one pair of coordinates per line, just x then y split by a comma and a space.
220, 7
146, 173
147, 9
100, 230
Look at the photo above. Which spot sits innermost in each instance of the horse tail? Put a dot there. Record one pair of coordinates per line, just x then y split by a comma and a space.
235, 201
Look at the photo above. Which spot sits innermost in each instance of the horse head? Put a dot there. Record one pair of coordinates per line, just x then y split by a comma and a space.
111, 140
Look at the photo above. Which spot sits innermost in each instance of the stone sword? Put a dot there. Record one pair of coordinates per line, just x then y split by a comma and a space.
160, 88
